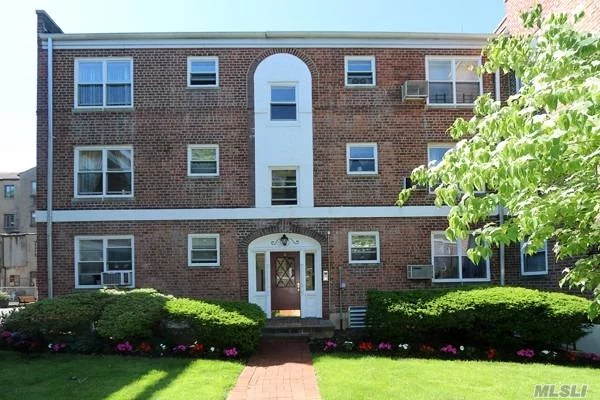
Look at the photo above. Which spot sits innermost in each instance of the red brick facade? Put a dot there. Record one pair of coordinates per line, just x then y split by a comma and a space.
167, 116
514, 8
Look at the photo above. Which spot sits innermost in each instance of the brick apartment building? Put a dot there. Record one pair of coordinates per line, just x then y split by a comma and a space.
255, 166
18, 266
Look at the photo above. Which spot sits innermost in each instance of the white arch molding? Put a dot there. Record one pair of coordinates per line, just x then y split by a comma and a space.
311, 301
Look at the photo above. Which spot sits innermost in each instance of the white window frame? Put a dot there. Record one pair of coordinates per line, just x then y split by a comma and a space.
460, 258
377, 243
104, 150
279, 168
360, 58
204, 235
453, 60
429, 160
202, 146
105, 239
13, 191
296, 102
351, 145
189, 71
104, 81
523, 253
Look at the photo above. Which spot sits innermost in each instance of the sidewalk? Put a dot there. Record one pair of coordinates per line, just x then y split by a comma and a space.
281, 369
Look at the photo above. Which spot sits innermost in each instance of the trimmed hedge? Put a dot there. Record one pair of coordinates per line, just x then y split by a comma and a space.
60, 316
112, 316
495, 315
220, 323
133, 315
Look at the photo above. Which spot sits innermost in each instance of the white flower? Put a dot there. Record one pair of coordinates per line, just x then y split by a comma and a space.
212, 349
49, 345
462, 348
545, 352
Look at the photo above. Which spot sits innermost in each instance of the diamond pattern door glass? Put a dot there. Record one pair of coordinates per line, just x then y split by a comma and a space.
284, 273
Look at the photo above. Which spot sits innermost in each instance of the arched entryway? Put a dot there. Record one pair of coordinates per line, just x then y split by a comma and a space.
284, 275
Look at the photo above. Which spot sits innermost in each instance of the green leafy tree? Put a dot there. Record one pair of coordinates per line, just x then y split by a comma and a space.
537, 156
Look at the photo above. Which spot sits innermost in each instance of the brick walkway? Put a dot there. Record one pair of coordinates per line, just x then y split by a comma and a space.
281, 369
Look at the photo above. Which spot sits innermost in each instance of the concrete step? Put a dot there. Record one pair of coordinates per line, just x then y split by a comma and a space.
313, 328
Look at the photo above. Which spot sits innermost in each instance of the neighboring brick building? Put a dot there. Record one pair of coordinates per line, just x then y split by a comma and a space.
255, 166
18, 264
511, 23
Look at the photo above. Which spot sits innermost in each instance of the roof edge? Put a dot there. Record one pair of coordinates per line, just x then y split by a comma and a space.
270, 35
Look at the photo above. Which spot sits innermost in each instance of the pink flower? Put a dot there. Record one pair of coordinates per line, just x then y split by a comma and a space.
56, 347
384, 346
526, 353
329, 345
231, 352
181, 348
448, 349
124, 347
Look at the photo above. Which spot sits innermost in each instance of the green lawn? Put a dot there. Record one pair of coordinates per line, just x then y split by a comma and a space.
63, 376
354, 377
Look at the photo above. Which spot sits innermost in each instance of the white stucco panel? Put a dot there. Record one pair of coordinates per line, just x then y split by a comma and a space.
283, 143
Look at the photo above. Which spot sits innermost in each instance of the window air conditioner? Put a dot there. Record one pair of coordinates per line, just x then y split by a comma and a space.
116, 278
415, 89
420, 271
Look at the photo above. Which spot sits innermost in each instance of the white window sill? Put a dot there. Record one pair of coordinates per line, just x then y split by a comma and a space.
78, 198
94, 287
204, 266
202, 87
459, 280
103, 109
203, 175
367, 174
360, 86
283, 123
449, 105
542, 273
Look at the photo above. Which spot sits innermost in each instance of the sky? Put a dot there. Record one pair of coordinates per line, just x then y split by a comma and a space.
18, 32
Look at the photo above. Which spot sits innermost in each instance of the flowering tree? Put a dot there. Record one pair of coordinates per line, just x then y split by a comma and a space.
537, 156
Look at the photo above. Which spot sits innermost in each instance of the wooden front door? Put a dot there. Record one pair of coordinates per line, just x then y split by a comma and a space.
285, 283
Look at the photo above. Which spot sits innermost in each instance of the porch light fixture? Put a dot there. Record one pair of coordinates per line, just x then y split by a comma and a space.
284, 240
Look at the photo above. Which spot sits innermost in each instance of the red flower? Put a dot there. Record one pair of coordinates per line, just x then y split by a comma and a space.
572, 356
491, 354
365, 346
197, 348
425, 348
145, 347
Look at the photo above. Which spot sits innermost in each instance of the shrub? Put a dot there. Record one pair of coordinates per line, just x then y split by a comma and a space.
495, 315
222, 324
4, 296
60, 316
132, 315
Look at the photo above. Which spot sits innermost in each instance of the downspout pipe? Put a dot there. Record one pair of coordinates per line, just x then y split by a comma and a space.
502, 250
49, 180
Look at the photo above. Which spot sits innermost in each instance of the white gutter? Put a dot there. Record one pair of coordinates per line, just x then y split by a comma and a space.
269, 35
49, 174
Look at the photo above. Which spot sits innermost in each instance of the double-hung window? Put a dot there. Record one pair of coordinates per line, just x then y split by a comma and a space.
9, 191
103, 83
453, 80
361, 158
360, 71
203, 72
435, 153
363, 247
451, 262
283, 103
284, 187
104, 172
203, 250
104, 260
203, 160
9, 221
536, 263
